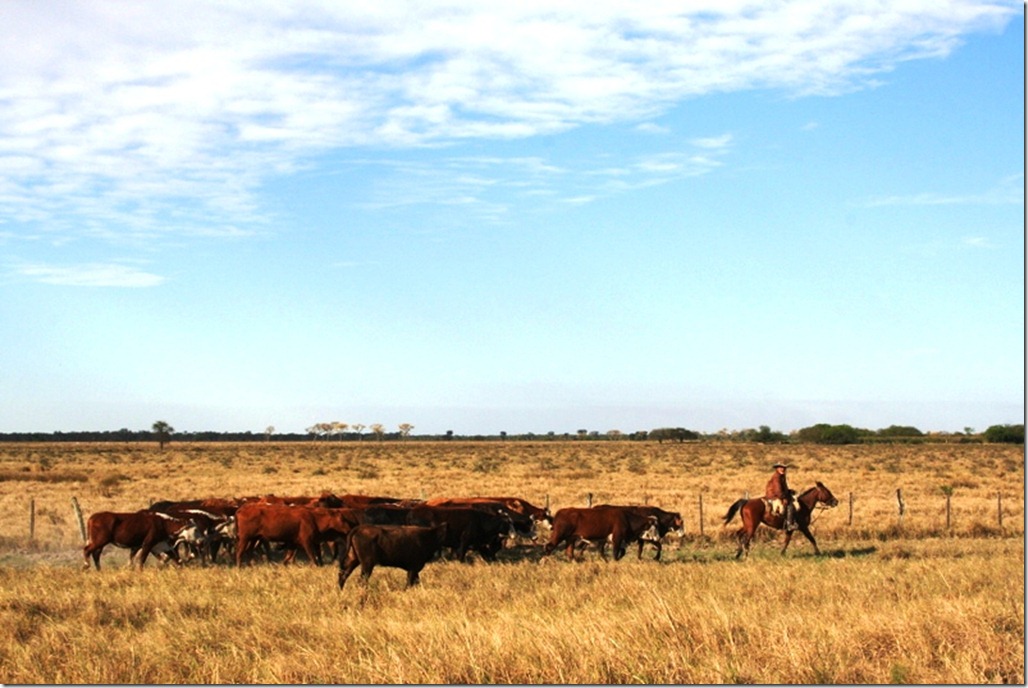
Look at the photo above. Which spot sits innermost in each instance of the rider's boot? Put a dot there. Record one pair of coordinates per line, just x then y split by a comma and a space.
790, 517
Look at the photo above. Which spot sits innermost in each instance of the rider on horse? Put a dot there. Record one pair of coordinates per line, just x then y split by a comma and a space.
778, 495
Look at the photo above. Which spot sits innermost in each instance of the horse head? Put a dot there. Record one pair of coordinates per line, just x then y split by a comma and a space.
824, 495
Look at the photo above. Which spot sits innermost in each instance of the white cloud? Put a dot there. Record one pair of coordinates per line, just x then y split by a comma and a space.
1009, 190
120, 116
88, 275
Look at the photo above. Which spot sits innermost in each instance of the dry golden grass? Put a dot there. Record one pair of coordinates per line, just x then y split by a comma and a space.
910, 602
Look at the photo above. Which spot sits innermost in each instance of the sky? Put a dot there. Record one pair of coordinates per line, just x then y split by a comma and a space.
511, 217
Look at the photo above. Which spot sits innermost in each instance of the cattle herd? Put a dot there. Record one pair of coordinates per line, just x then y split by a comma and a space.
362, 531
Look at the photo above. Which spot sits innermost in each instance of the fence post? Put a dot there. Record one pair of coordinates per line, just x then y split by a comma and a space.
999, 508
589, 500
701, 514
32, 520
78, 513
902, 506
947, 511
850, 521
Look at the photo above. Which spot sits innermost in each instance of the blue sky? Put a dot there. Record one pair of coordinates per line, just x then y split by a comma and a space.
604, 216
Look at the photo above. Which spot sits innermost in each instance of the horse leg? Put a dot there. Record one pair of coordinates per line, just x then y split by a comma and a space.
788, 537
806, 532
739, 539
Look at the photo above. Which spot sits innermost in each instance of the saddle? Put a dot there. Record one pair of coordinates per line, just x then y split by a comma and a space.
775, 506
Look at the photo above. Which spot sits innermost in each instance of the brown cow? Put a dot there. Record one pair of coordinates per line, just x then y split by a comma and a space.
359, 501
294, 526
667, 522
403, 547
620, 527
334, 525
141, 532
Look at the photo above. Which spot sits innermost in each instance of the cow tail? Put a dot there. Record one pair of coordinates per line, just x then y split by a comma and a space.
732, 510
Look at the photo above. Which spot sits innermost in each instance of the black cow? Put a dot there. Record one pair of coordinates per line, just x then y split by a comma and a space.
403, 547
467, 529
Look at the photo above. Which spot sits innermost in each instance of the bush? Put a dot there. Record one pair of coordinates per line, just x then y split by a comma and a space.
673, 434
1011, 434
900, 431
823, 433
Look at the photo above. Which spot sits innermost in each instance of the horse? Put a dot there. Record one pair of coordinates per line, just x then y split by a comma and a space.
753, 512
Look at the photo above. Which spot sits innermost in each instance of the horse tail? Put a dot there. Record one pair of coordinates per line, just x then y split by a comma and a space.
734, 509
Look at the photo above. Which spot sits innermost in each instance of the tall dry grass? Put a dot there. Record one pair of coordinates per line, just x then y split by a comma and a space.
892, 601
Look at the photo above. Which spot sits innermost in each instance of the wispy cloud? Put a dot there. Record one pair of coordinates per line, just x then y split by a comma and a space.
1009, 190
139, 121
87, 275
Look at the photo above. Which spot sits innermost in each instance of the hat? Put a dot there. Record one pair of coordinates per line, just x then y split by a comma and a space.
779, 465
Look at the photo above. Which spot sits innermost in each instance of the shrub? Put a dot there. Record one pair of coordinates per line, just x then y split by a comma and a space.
823, 433
1012, 434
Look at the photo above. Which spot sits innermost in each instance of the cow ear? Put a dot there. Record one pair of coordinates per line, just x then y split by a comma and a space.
819, 484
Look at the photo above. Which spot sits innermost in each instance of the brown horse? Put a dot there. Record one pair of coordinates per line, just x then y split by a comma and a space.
755, 511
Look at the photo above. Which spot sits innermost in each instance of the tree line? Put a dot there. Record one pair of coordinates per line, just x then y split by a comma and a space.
821, 433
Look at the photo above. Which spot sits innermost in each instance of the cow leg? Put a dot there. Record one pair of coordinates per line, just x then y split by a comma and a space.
347, 567
413, 577
91, 551
313, 553
243, 545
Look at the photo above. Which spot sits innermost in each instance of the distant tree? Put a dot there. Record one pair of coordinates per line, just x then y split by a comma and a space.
1011, 434
765, 435
405, 429
162, 431
582, 433
359, 429
449, 435
379, 430
673, 435
614, 434
339, 428
900, 431
268, 432
824, 433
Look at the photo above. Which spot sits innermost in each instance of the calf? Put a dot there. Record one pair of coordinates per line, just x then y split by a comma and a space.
141, 532
572, 525
403, 547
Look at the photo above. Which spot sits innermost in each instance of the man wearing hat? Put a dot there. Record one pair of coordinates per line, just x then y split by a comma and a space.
778, 494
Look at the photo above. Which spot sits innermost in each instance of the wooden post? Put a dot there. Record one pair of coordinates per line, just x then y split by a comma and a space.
32, 520
78, 513
701, 514
902, 506
547, 502
850, 521
589, 500
999, 508
947, 511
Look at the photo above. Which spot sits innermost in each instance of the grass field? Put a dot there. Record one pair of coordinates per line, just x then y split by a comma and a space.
893, 600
